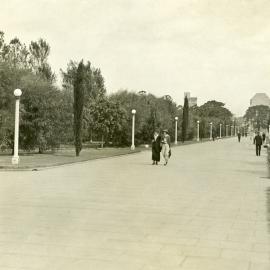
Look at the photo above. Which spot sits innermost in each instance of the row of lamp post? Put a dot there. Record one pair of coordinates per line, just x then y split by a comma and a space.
133, 129
233, 128
17, 93
133, 112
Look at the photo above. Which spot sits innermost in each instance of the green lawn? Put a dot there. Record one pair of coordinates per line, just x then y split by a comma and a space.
60, 157
67, 156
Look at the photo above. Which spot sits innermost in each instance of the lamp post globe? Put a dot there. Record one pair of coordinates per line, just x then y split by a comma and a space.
17, 93
133, 111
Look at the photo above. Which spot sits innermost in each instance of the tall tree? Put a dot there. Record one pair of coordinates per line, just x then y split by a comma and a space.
258, 115
94, 81
14, 54
214, 109
152, 113
107, 119
94, 92
39, 53
78, 90
46, 118
185, 121
10, 78
46, 112
210, 112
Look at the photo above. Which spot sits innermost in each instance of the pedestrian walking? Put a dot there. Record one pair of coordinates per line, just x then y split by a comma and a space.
213, 135
166, 146
263, 137
239, 136
156, 148
258, 142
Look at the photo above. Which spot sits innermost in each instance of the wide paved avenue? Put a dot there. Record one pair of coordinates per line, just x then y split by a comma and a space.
209, 209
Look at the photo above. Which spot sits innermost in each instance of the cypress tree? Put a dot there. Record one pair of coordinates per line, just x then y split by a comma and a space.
185, 119
79, 85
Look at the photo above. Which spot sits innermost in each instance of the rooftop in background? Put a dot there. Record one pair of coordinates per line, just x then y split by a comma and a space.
260, 99
192, 101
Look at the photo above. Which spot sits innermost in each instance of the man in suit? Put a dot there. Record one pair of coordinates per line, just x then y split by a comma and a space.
239, 136
258, 142
263, 137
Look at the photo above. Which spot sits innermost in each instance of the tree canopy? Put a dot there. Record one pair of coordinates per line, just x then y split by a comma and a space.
211, 112
259, 115
81, 109
214, 109
44, 108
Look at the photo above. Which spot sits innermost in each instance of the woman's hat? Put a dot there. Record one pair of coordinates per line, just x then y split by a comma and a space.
165, 130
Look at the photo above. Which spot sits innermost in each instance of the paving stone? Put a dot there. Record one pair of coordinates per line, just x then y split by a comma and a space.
206, 210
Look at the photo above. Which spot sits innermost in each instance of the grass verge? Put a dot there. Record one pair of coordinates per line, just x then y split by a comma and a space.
61, 157
32, 161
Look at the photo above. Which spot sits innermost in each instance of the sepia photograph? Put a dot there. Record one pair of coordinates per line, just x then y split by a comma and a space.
135, 135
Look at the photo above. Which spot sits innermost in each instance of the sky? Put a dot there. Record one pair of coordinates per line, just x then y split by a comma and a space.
217, 50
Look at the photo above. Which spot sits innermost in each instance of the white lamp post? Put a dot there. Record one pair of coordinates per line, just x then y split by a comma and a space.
15, 159
227, 126
211, 131
220, 129
231, 131
176, 119
198, 131
133, 129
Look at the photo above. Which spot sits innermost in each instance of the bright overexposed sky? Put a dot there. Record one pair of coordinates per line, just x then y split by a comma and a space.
216, 49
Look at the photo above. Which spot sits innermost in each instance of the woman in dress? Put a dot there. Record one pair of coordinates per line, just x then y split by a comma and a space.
166, 146
156, 148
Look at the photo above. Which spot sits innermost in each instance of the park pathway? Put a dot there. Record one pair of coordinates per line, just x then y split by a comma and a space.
209, 209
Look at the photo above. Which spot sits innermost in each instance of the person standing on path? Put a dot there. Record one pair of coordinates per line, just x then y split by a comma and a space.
263, 137
166, 146
258, 142
156, 148
239, 136
213, 134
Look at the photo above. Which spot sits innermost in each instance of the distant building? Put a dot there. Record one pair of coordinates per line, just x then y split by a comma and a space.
142, 92
192, 101
260, 99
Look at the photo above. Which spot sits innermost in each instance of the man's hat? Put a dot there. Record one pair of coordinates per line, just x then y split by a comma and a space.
165, 130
